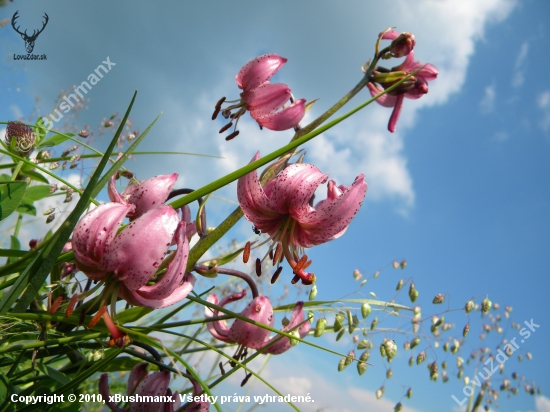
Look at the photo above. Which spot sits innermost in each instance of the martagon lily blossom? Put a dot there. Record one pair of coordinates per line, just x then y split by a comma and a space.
263, 99
251, 336
282, 209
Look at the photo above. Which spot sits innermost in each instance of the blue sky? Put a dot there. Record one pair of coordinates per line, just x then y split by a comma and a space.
461, 190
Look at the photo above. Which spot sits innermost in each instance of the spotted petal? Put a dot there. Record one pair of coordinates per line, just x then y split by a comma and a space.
247, 334
259, 70
283, 344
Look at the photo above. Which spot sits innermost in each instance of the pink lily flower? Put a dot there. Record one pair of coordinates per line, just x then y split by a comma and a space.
402, 44
252, 336
145, 195
134, 255
282, 209
414, 88
264, 100
143, 384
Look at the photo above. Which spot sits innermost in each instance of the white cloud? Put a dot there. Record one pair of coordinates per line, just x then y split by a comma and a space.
519, 68
542, 404
17, 113
487, 103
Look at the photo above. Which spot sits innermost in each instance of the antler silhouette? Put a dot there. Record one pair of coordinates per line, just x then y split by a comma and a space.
29, 40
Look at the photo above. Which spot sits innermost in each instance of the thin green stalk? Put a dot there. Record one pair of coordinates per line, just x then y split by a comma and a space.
16, 171
52, 342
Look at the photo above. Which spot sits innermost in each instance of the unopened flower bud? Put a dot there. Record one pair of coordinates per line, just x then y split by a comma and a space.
320, 327
486, 305
365, 310
439, 298
469, 306
402, 45
20, 139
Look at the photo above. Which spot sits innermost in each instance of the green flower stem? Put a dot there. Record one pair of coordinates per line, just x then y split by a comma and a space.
18, 225
16, 171
52, 342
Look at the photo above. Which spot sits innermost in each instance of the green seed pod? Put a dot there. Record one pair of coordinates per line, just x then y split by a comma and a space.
411, 361
444, 365
340, 334
438, 299
365, 310
363, 283
376, 274
446, 346
380, 392
407, 345
383, 351
342, 365
364, 344
357, 275
389, 373
338, 322
486, 305
354, 323
421, 357
320, 327
285, 321
415, 342
399, 284
469, 306
466, 330
398, 407
313, 292
391, 349
310, 316
361, 367
364, 356
455, 347
460, 373
459, 361
413, 295
374, 323
409, 393
350, 321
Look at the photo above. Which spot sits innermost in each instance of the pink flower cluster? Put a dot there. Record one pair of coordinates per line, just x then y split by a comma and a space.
131, 257
265, 100
413, 88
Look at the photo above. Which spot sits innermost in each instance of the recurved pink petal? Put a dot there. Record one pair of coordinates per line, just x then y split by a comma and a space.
252, 336
332, 216
390, 35
292, 189
155, 384
254, 203
136, 253
258, 71
94, 233
266, 98
175, 271
385, 100
283, 344
219, 328
105, 392
138, 373
149, 193
284, 119
396, 113
181, 292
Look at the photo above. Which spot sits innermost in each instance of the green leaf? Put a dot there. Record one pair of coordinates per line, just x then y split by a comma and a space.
54, 374
124, 363
32, 278
37, 192
55, 140
11, 194
133, 314
26, 207
34, 175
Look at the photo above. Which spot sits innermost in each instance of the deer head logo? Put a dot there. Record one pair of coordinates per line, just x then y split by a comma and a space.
29, 40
